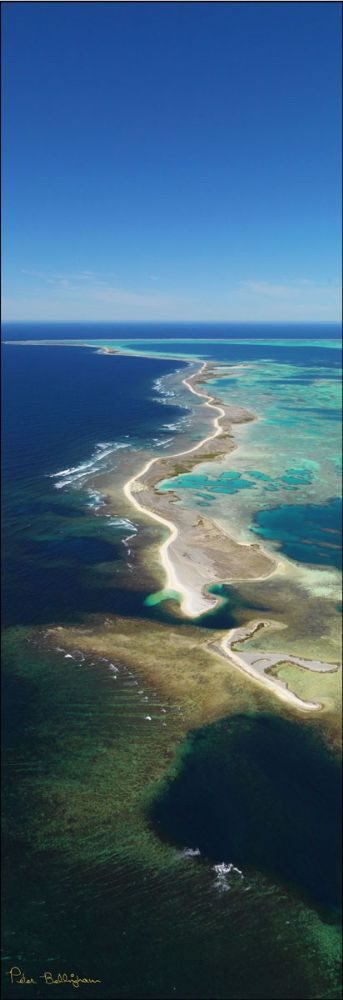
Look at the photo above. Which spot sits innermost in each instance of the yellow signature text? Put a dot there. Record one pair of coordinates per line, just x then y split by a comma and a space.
50, 978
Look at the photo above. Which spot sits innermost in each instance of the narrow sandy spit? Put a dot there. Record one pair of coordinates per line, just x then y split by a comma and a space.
257, 663
189, 606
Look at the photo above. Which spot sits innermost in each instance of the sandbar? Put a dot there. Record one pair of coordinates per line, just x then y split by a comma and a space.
197, 552
258, 662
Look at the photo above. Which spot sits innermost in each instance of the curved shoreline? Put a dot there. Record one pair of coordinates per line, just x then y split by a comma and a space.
172, 582
256, 664
190, 604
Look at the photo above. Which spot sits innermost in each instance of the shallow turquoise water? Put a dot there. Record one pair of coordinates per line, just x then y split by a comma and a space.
289, 457
309, 534
87, 870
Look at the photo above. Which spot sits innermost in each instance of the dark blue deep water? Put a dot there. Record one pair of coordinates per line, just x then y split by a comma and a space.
310, 533
219, 815
58, 405
138, 331
96, 878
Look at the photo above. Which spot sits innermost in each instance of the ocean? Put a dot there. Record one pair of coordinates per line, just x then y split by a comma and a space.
166, 853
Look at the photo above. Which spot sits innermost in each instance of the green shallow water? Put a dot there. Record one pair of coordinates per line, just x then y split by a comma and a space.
251, 790
99, 839
95, 886
289, 456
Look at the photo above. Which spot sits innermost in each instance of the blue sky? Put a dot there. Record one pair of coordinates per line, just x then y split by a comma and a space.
171, 161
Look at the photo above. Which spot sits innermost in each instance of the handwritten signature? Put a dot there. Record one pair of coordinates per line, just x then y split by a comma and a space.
49, 978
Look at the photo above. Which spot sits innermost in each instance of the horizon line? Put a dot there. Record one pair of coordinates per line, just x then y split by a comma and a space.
172, 322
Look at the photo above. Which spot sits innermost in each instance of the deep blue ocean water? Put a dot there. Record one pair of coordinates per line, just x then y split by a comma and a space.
140, 331
59, 406
62, 404
72, 741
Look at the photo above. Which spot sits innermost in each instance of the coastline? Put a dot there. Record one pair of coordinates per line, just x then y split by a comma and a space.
257, 663
188, 584
195, 599
197, 555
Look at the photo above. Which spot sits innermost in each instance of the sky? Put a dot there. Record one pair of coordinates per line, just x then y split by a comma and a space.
171, 161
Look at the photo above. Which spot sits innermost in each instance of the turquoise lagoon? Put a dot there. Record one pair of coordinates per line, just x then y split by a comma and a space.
184, 859
288, 459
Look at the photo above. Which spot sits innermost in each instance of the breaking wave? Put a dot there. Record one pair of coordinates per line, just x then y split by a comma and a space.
97, 463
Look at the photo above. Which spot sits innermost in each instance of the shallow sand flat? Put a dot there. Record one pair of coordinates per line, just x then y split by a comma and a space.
311, 632
180, 663
198, 553
175, 660
257, 663
202, 553
204, 677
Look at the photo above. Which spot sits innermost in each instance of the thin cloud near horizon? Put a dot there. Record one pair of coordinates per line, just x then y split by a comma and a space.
94, 295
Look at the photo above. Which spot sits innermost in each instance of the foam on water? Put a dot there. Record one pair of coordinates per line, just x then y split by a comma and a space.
121, 522
162, 442
96, 499
223, 871
190, 852
72, 476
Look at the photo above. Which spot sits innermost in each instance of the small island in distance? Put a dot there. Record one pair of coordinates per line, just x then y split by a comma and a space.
171, 501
